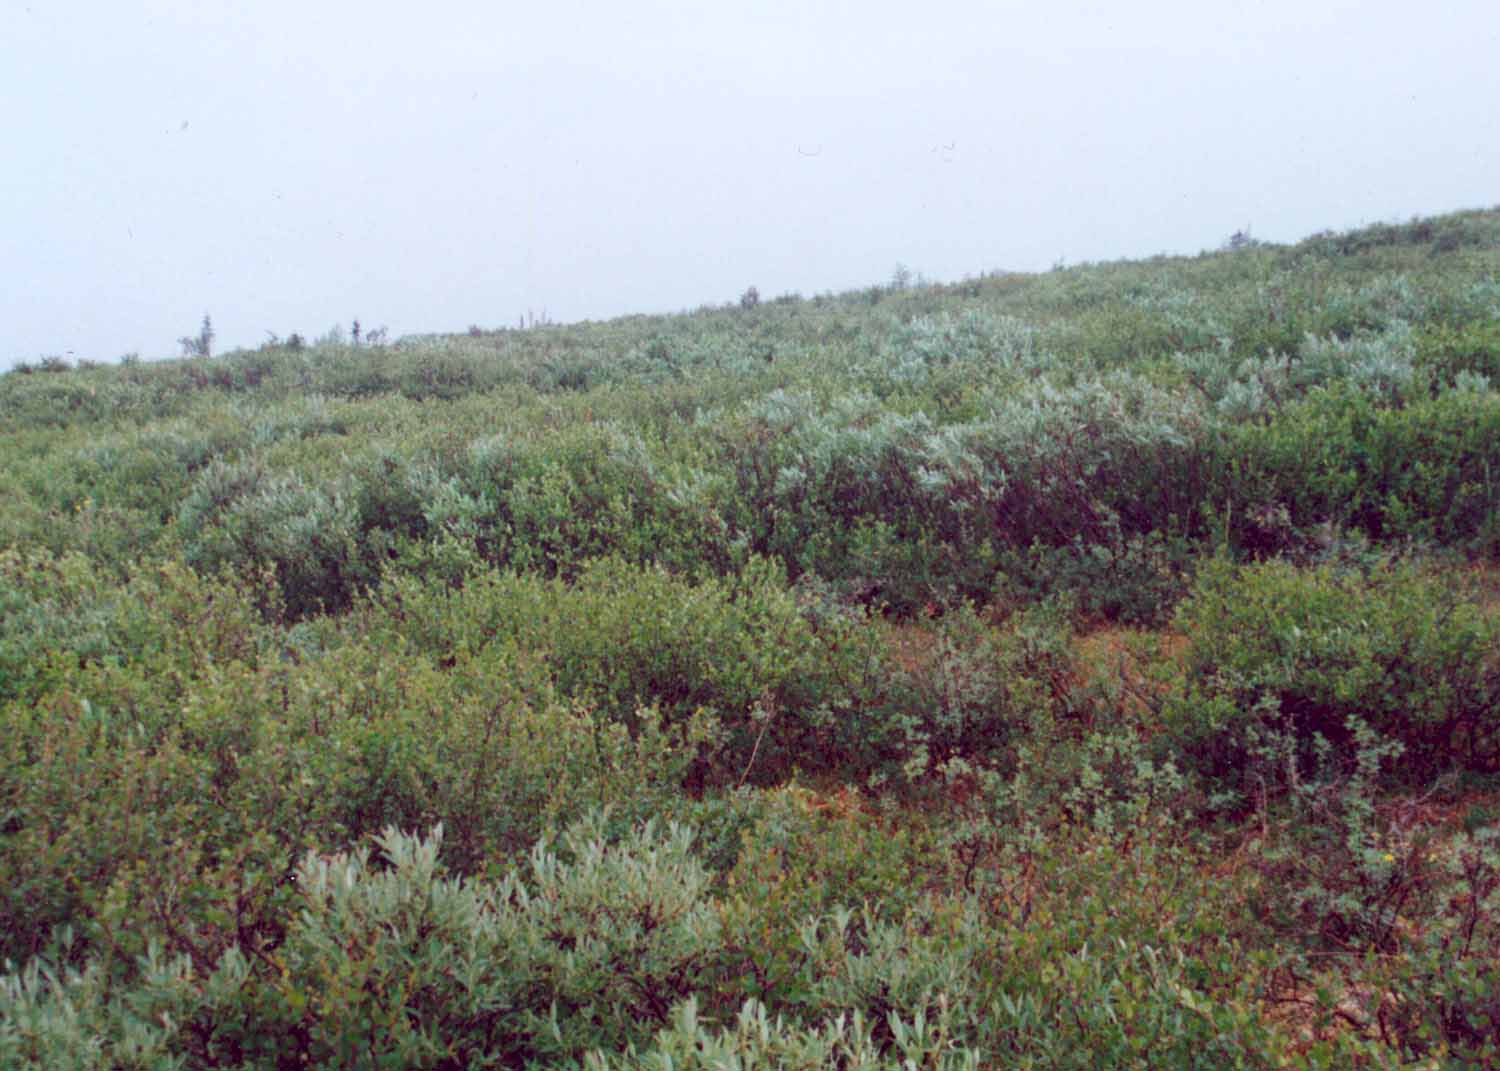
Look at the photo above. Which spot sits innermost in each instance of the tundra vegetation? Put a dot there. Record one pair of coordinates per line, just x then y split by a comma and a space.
1091, 669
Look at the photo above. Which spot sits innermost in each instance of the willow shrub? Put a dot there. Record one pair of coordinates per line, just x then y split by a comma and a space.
897, 508
1446, 353
242, 515
168, 758
614, 950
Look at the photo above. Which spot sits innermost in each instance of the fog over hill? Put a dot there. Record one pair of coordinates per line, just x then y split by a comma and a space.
286, 166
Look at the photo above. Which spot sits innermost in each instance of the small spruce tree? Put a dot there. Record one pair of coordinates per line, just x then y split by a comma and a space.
203, 345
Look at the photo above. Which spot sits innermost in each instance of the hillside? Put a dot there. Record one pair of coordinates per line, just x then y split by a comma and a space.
1077, 669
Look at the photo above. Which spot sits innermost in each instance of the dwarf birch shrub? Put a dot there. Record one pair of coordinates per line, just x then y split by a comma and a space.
280, 602
551, 504
57, 612
190, 838
62, 616
1274, 647
802, 857
1329, 872
605, 949
1134, 579
621, 637
393, 495
146, 472
1445, 1004
95, 772
512, 760
1424, 472
1078, 963
162, 782
975, 692
54, 401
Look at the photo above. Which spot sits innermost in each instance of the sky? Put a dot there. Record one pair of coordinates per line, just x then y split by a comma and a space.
287, 166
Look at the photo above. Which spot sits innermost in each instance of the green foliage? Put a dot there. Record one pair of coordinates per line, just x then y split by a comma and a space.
907, 509
1318, 656
161, 781
1133, 579
610, 950
974, 692
405, 967
806, 573
1445, 991
239, 513
777, 688
756, 1039
1425, 472
1446, 354
1327, 876
1346, 872
802, 857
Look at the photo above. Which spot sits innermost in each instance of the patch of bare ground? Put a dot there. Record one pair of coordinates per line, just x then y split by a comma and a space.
1484, 579
1130, 665
911, 644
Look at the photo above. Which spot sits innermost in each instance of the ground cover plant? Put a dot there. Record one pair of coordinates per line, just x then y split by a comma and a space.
1098, 668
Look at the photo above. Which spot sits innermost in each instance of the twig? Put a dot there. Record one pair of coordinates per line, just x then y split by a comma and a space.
769, 708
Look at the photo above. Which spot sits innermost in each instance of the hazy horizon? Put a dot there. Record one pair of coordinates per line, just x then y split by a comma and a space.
290, 167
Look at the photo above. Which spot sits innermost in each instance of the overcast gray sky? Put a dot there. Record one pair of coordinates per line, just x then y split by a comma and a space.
288, 165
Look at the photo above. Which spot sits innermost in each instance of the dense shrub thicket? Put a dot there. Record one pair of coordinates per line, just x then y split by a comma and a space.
1091, 669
